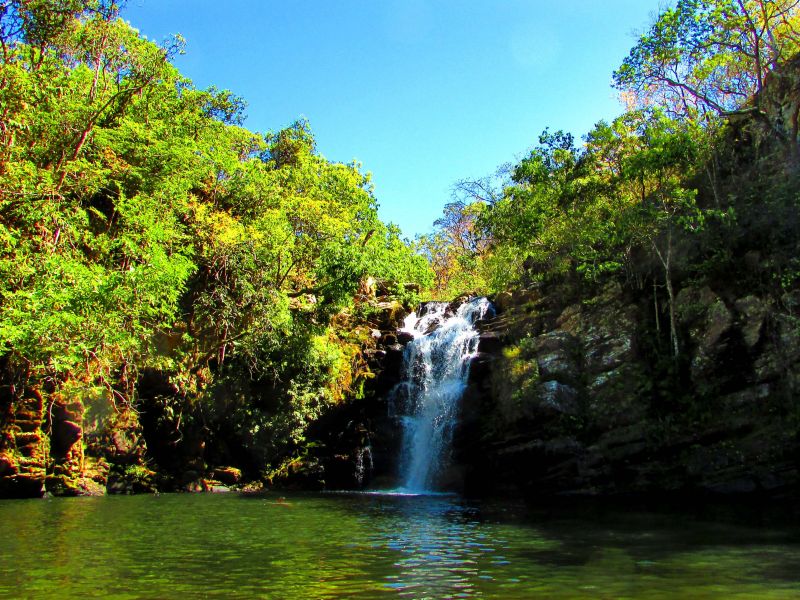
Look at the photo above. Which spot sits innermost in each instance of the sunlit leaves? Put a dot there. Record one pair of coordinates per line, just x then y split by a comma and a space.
707, 58
133, 208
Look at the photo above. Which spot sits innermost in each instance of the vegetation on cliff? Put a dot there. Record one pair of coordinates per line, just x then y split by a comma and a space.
148, 240
647, 280
177, 292
699, 170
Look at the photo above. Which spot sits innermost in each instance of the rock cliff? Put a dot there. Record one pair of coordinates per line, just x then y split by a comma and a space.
570, 396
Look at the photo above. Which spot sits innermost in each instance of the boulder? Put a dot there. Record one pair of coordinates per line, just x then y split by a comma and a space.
404, 337
390, 315
227, 475
753, 313
388, 339
490, 342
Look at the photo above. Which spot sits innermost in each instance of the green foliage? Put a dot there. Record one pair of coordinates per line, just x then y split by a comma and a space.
141, 227
557, 216
667, 193
710, 55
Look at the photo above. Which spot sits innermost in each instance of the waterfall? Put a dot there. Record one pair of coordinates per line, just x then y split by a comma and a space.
364, 463
436, 367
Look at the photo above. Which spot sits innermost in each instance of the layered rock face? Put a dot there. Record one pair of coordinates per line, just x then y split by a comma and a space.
356, 445
23, 447
56, 447
574, 397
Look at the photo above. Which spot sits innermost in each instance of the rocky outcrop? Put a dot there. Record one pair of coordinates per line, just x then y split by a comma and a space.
575, 397
572, 392
55, 446
23, 447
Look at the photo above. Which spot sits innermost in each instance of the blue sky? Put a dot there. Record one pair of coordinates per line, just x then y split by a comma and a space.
422, 92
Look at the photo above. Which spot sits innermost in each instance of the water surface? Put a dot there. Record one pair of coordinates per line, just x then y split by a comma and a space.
372, 546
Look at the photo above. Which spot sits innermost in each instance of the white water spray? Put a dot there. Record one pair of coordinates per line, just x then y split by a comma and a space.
436, 367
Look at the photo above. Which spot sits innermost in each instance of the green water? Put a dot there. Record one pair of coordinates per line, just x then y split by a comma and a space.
350, 546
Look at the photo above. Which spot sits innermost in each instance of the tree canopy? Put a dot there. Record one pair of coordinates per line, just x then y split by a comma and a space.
642, 199
710, 56
142, 227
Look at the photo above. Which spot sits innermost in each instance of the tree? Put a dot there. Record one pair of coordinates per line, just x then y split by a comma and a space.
455, 248
557, 215
706, 58
657, 170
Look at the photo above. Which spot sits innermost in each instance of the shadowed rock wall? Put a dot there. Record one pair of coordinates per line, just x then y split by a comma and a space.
575, 397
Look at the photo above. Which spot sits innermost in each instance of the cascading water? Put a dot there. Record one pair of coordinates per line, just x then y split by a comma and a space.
364, 463
436, 367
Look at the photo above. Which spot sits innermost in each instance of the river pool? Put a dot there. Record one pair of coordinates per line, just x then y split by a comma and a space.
379, 546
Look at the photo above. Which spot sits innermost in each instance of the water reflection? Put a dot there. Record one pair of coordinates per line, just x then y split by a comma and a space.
446, 548
439, 549
363, 546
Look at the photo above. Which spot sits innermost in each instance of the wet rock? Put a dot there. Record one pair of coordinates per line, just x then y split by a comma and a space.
453, 307
388, 339
404, 337
490, 342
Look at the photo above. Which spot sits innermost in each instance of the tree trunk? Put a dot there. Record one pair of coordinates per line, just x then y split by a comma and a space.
666, 262
655, 307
